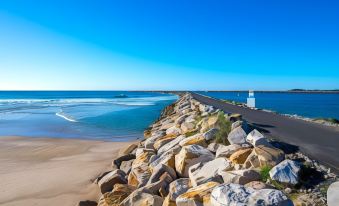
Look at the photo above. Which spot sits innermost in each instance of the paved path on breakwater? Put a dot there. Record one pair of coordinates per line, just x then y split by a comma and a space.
318, 141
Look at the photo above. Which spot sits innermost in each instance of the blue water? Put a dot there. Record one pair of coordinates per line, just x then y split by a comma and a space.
102, 115
312, 105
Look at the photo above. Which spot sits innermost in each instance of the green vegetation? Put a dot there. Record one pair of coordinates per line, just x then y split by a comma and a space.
277, 185
331, 120
191, 133
264, 173
224, 127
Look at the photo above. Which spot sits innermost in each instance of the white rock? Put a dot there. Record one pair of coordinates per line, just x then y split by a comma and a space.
170, 145
237, 136
191, 155
210, 134
286, 172
205, 172
238, 195
178, 187
227, 151
333, 194
256, 139
173, 130
240, 176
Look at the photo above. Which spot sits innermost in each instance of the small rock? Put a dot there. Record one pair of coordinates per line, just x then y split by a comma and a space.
288, 190
87, 203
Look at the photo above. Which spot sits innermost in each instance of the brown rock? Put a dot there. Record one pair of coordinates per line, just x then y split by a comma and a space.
163, 140
128, 149
240, 156
264, 156
107, 183
118, 194
139, 176
197, 196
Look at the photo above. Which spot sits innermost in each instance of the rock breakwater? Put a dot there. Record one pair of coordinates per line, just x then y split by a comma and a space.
197, 155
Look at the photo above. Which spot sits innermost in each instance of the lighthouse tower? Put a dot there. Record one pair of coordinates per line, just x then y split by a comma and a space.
251, 99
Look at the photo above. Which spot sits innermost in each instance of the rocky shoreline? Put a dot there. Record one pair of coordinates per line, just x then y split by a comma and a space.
196, 155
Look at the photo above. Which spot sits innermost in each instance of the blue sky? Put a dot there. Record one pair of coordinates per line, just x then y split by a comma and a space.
169, 45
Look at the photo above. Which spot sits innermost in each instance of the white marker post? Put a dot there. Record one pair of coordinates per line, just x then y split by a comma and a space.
251, 99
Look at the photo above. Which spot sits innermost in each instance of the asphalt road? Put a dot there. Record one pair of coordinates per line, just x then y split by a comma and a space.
318, 141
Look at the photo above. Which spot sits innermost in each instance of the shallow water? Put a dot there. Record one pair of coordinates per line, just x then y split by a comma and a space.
312, 105
116, 116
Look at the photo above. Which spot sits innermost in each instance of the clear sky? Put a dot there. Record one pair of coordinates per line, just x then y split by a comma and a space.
169, 44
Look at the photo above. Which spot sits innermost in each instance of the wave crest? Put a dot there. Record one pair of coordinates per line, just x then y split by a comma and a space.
66, 117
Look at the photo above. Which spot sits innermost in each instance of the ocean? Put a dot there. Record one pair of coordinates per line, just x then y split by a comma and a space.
310, 105
97, 115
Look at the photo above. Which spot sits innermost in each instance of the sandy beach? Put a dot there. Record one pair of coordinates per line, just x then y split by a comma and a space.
49, 171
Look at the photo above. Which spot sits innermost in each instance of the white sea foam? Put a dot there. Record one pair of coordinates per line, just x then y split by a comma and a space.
64, 116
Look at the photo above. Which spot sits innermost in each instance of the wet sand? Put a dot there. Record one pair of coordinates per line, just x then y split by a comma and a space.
49, 171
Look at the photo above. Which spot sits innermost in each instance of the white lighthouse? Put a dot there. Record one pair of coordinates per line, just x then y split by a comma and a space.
251, 99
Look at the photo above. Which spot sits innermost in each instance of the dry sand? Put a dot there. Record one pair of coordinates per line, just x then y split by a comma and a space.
48, 171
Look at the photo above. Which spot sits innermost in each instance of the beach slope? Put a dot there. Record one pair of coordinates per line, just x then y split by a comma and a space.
48, 171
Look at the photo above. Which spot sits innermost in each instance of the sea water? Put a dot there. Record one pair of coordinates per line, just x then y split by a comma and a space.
311, 105
99, 115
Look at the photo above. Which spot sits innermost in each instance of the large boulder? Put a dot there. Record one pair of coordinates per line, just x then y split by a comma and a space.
173, 130
286, 171
139, 176
213, 147
117, 162
159, 170
196, 139
118, 194
240, 176
128, 149
187, 126
256, 139
170, 145
197, 196
332, 194
210, 134
126, 166
201, 173
240, 156
167, 158
163, 140
142, 197
107, 183
208, 123
176, 188
264, 156
180, 119
190, 155
238, 195
227, 151
142, 158
237, 136
240, 123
